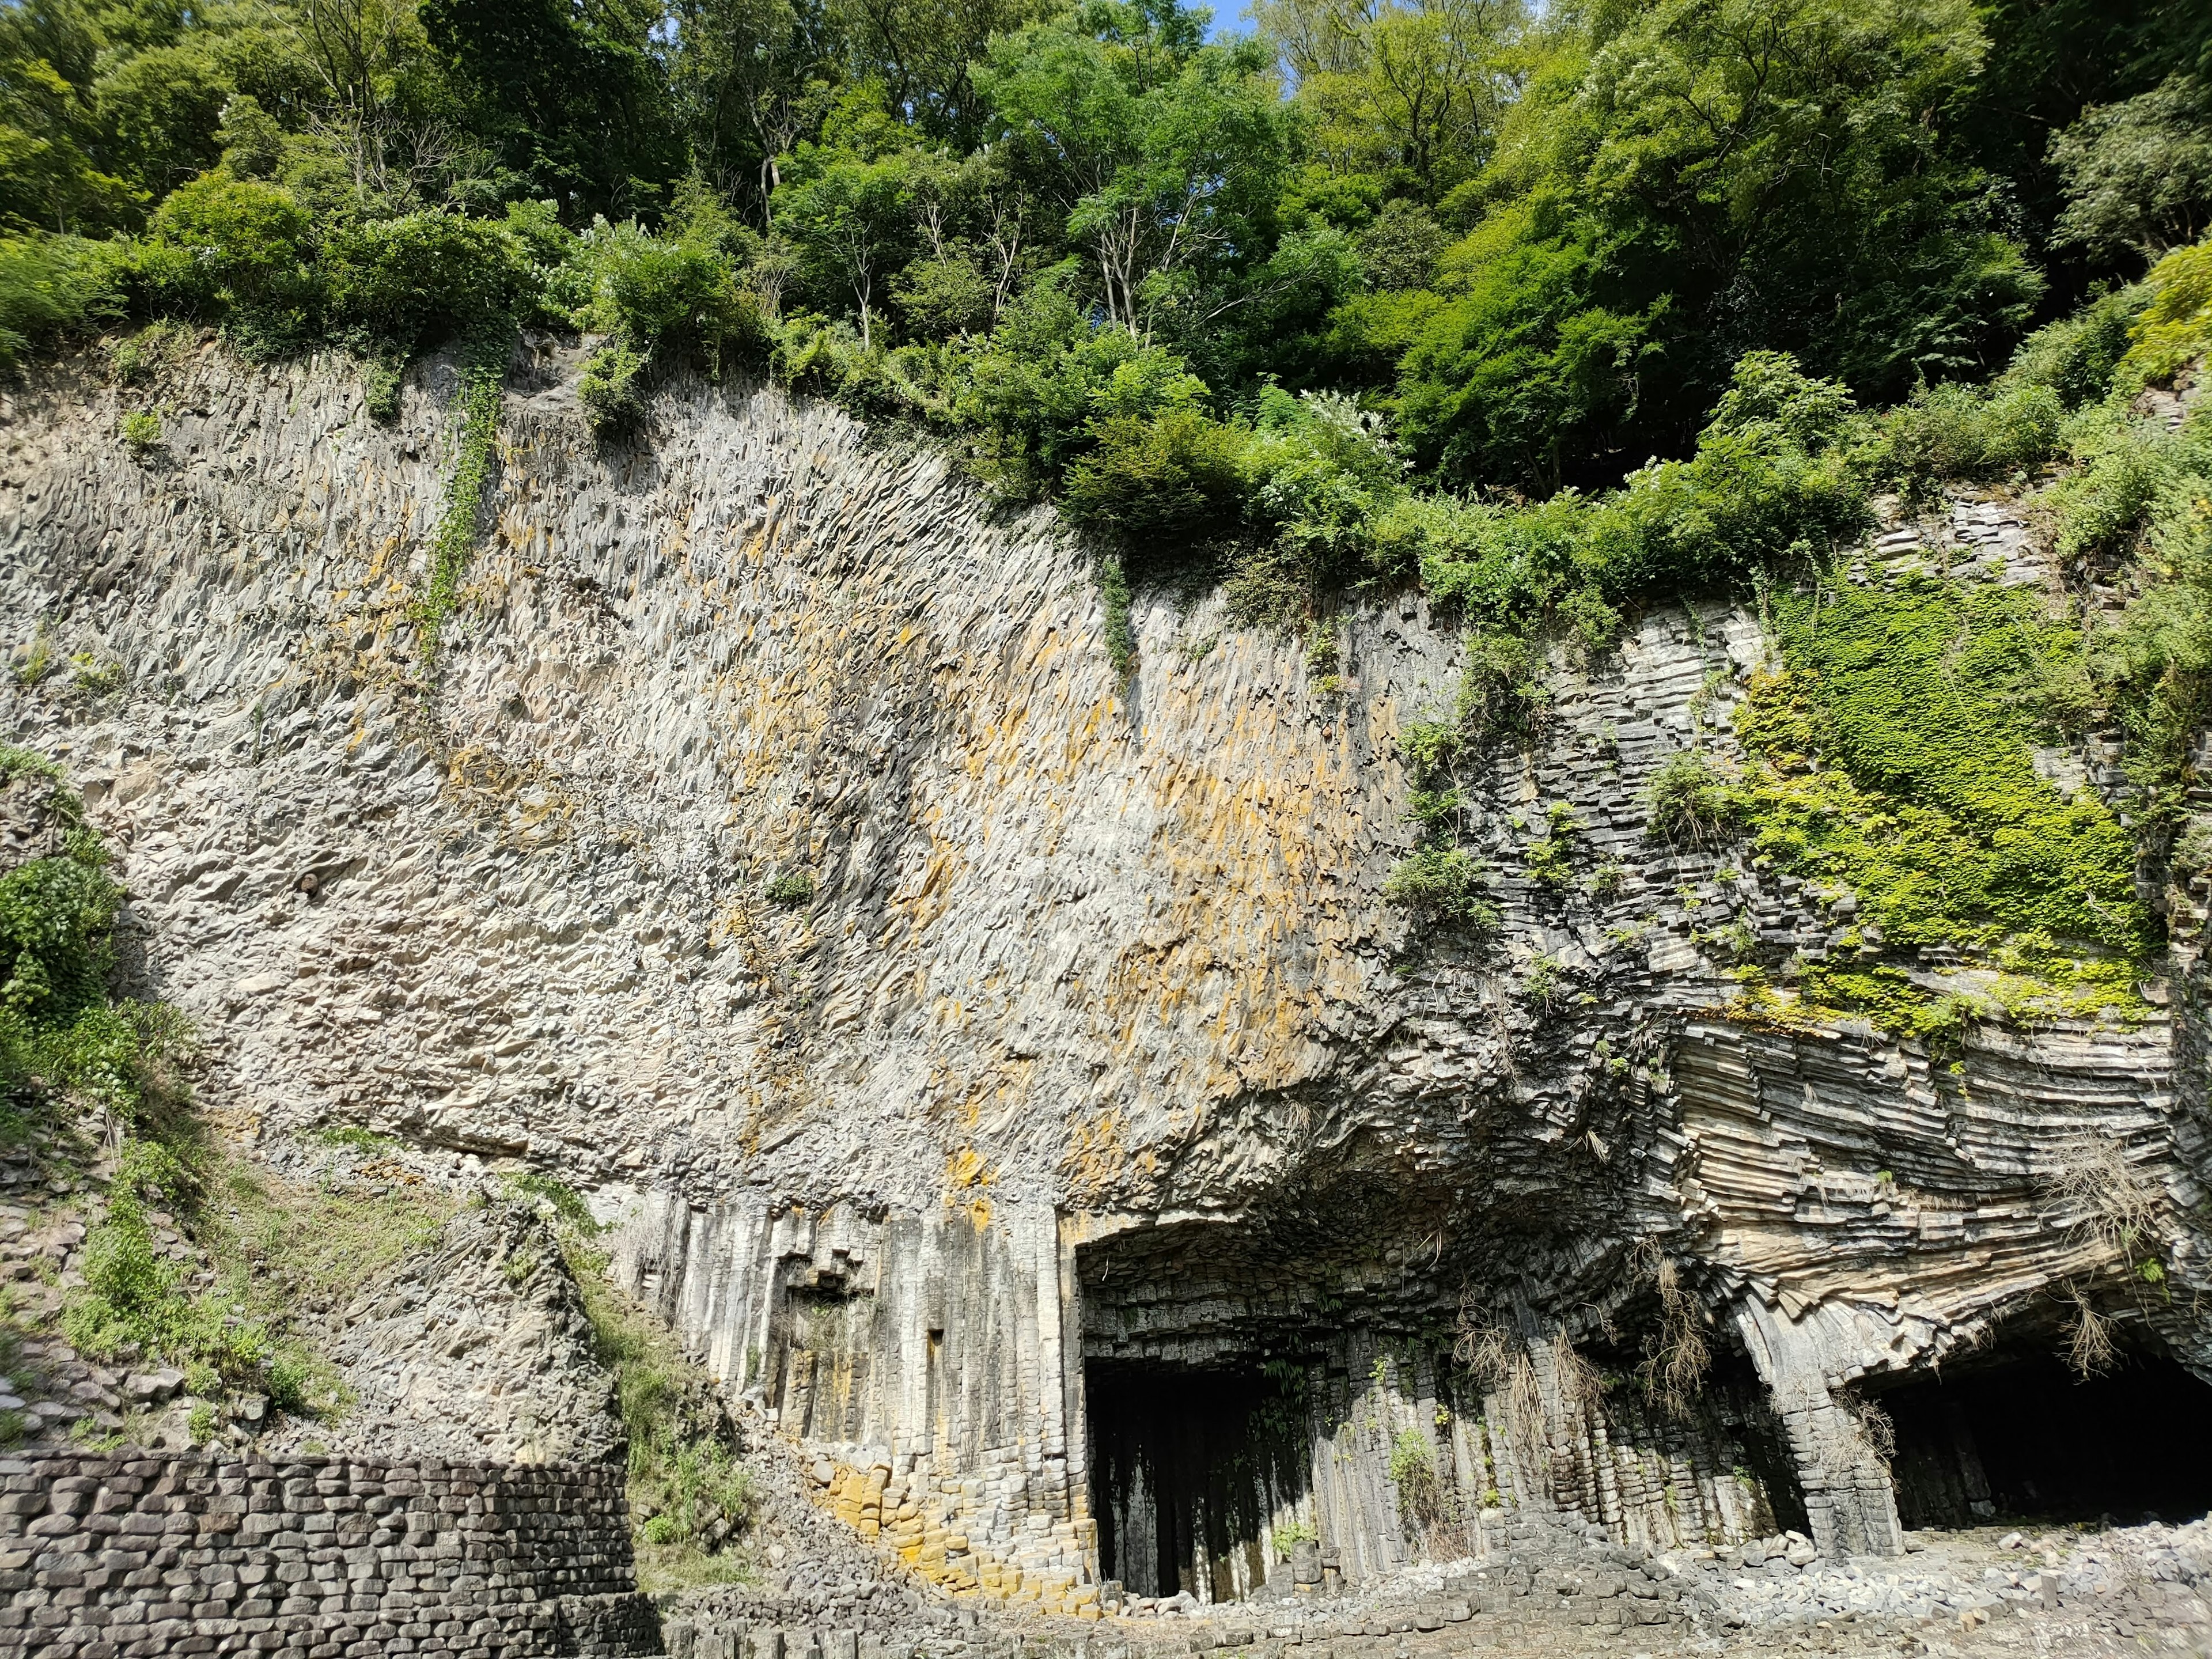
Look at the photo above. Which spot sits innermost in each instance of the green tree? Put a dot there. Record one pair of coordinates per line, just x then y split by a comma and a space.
847, 216
1165, 156
2138, 173
571, 99
1695, 179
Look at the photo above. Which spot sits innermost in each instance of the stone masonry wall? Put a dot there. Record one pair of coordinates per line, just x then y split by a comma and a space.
116, 1557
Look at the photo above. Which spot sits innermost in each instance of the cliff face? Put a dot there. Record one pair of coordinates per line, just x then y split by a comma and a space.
1077, 1054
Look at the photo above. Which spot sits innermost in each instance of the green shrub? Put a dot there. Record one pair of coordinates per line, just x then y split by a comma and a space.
237, 247
142, 431
1688, 801
484, 363
384, 378
1114, 597
792, 888
53, 287
2175, 328
608, 390
2077, 357
1953, 431
563, 1201
657, 292
409, 282
1549, 860
1156, 480
137, 357
1432, 748
1501, 689
1442, 885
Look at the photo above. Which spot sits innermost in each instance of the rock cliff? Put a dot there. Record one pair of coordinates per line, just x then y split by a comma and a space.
992, 1062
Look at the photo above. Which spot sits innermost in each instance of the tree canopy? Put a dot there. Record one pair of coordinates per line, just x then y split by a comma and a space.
1373, 266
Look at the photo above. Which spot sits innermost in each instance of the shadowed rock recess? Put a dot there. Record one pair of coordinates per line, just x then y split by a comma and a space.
1010, 1077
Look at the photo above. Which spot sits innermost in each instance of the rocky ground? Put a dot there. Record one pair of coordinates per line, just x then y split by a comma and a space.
2113, 1590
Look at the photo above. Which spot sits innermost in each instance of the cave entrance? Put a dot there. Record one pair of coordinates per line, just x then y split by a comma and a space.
2019, 1436
1191, 1467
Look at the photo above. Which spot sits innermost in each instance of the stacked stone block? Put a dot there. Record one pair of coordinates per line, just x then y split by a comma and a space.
131, 1555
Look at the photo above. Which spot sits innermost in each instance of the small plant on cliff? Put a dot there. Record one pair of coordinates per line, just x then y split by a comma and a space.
1442, 885
608, 390
690, 1497
140, 430
1549, 860
792, 889
1420, 1492
1121, 627
1687, 801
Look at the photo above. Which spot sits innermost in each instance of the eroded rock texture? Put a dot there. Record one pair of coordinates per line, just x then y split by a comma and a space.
1078, 1055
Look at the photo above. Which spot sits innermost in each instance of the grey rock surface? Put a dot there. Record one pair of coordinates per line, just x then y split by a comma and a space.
1095, 1041
475, 1349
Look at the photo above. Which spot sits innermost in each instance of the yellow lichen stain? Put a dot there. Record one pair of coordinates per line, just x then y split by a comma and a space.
1096, 1157
968, 1177
526, 799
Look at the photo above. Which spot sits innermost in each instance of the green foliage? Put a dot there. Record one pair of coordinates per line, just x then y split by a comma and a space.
2142, 490
556, 1197
1414, 1472
1120, 630
1954, 432
1893, 765
52, 288
791, 889
1549, 859
136, 358
2175, 329
237, 248
2138, 173
1150, 478
1442, 886
1646, 221
690, 1495
141, 430
483, 367
402, 284
608, 389
1688, 802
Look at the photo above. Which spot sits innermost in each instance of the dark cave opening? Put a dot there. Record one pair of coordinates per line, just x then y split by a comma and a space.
2019, 1436
1189, 1467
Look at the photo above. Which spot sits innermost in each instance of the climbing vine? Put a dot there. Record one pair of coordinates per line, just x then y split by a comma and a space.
483, 366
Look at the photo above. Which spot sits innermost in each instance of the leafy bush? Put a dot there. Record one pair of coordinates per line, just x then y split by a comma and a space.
657, 293
54, 287
1114, 597
608, 389
2077, 357
141, 430
1960, 432
1443, 884
2175, 328
411, 281
1158, 480
221, 247
792, 888
1688, 801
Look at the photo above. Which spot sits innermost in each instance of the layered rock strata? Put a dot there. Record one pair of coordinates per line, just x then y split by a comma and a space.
959, 1031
